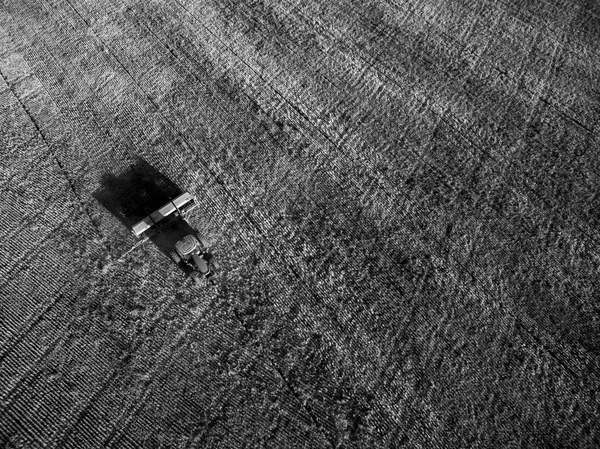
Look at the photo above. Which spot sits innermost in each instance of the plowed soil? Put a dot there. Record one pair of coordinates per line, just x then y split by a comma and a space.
403, 196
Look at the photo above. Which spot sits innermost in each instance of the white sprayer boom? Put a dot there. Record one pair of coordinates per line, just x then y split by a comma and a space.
185, 201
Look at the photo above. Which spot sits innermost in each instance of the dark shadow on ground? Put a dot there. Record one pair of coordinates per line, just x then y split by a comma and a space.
135, 194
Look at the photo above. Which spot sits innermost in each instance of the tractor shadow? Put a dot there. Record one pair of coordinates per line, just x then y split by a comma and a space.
136, 193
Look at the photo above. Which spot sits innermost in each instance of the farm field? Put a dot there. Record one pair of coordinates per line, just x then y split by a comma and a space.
403, 195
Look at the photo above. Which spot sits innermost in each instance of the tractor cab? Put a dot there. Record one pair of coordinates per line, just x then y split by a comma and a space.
191, 251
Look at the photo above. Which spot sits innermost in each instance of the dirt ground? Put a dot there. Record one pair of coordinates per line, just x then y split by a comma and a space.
403, 196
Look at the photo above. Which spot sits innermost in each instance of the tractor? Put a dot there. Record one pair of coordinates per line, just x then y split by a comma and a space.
168, 229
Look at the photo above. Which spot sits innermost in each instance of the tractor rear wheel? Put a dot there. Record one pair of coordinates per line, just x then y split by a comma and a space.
175, 257
198, 278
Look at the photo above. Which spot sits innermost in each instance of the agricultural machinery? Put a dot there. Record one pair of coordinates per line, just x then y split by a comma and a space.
168, 229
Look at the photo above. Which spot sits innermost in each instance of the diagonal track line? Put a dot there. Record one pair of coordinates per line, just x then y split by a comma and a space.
295, 273
333, 143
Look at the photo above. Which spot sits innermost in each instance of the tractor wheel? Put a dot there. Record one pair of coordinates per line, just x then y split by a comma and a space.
200, 238
198, 278
175, 257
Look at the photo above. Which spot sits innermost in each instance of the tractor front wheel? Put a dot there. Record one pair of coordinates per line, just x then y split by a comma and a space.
175, 257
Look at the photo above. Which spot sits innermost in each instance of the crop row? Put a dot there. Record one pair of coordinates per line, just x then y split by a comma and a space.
174, 163
519, 205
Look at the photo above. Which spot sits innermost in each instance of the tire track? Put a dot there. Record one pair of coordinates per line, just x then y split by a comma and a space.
82, 412
296, 275
442, 173
79, 412
82, 206
570, 357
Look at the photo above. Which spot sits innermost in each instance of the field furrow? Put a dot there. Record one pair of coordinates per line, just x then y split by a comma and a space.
401, 194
